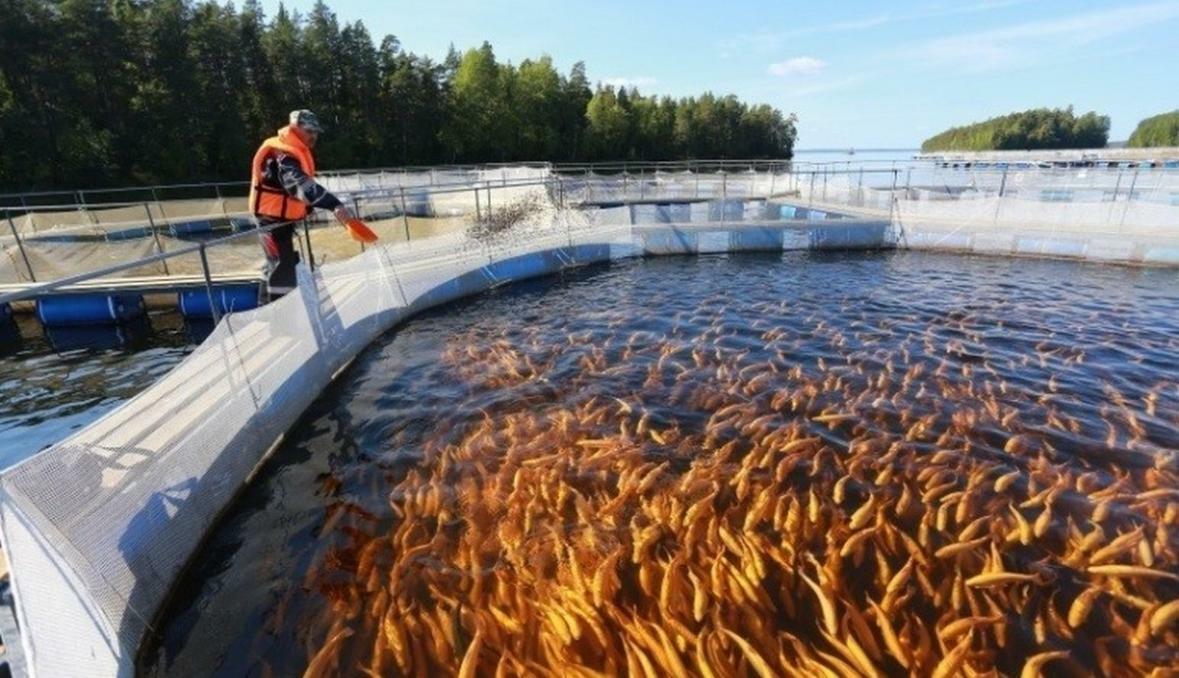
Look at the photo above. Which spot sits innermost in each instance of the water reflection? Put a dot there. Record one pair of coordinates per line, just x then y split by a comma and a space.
57, 380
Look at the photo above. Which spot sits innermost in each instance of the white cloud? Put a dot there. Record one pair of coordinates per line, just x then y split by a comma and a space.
798, 66
1019, 45
636, 81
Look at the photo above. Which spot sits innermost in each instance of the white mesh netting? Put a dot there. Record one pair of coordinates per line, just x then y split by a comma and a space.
1128, 215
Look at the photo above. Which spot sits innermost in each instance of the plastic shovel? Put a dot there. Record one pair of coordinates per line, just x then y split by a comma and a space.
360, 231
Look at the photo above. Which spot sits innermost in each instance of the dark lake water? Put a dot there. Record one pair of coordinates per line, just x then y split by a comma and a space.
53, 382
873, 446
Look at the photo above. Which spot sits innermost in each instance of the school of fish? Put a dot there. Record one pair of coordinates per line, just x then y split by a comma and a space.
706, 503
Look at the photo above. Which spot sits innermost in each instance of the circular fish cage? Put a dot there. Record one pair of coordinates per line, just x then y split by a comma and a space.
777, 464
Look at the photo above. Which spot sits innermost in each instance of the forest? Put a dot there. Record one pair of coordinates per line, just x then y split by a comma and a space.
1157, 130
119, 92
1035, 129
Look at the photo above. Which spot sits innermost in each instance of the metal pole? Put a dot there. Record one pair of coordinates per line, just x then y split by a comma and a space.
216, 312
1129, 198
893, 206
20, 246
1133, 181
1117, 185
478, 209
307, 235
724, 194
1003, 183
404, 213
156, 234
642, 189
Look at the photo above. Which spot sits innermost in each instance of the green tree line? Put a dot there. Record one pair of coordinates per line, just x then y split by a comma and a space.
1039, 128
114, 92
1157, 130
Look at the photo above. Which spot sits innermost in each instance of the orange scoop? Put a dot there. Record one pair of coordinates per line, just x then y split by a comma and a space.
359, 231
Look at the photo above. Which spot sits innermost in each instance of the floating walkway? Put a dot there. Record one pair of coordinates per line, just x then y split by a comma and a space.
109, 301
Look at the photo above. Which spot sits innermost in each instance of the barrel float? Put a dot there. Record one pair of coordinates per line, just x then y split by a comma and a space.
787, 212
136, 332
239, 224
191, 227
229, 298
129, 233
89, 309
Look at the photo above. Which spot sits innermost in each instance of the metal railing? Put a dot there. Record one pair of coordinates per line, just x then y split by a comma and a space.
201, 248
223, 189
216, 189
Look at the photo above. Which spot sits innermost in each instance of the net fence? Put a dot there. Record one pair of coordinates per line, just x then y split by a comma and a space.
1111, 214
47, 242
98, 527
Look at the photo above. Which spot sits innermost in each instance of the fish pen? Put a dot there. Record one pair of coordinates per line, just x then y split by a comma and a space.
838, 441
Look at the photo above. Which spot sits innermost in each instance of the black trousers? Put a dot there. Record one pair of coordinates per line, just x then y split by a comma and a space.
282, 257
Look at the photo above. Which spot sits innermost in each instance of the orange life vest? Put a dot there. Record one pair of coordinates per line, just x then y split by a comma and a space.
269, 201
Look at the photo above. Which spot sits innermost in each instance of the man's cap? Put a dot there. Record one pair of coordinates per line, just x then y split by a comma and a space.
307, 120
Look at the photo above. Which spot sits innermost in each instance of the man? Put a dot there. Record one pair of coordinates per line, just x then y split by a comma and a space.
283, 190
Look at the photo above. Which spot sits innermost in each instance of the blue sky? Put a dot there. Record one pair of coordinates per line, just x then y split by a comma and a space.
863, 74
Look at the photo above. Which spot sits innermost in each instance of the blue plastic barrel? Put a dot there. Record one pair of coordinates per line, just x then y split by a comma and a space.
229, 298
191, 227
239, 224
129, 233
136, 332
89, 309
